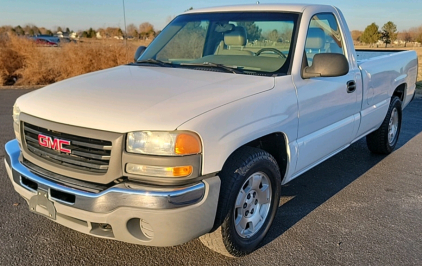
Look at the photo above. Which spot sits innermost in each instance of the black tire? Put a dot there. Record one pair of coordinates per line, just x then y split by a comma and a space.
242, 165
378, 141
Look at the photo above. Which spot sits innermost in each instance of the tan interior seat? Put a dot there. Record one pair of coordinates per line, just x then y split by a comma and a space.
234, 42
315, 43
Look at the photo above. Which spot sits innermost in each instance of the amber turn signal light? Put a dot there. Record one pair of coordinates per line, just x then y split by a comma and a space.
187, 144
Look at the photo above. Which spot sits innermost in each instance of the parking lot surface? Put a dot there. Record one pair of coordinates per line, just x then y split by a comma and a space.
356, 208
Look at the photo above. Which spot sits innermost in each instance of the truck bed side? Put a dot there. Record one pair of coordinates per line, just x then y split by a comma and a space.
382, 73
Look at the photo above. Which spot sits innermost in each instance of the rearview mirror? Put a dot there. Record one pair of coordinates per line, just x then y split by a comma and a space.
327, 65
139, 52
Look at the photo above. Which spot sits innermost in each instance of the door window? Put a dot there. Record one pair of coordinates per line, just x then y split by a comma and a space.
323, 36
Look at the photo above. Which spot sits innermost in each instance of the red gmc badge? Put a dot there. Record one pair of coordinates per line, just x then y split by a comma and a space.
55, 144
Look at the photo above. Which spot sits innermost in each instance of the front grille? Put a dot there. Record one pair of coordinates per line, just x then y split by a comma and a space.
87, 154
64, 180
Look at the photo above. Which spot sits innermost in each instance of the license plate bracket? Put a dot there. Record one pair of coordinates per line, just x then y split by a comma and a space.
40, 204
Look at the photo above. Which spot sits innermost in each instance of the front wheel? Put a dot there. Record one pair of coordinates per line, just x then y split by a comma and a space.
385, 138
249, 196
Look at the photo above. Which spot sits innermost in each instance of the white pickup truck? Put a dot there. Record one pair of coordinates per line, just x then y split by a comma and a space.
197, 135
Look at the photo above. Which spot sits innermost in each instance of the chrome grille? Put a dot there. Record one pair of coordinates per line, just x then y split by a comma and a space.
87, 154
64, 180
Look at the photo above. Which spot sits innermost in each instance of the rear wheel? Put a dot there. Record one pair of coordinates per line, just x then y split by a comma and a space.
249, 196
385, 138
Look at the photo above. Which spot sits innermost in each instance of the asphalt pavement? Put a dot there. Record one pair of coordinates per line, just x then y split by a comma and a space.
356, 208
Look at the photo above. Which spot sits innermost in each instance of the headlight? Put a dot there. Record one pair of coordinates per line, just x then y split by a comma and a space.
163, 143
16, 113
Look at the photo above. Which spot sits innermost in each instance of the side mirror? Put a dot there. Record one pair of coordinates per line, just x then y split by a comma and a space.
139, 52
327, 65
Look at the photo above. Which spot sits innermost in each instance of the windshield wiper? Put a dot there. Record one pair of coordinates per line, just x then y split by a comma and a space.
155, 62
232, 69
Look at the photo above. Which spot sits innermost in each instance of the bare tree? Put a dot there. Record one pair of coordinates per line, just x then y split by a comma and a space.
5, 29
112, 32
146, 30
416, 33
273, 36
356, 34
27, 28
132, 30
404, 36
43, 30
169, 19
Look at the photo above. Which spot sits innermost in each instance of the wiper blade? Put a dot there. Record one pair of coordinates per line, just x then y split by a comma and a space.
155, 62
232, 69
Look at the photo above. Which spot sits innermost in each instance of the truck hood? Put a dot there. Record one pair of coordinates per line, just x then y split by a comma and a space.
131, 98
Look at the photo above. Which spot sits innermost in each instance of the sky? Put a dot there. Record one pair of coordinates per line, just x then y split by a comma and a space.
83, 14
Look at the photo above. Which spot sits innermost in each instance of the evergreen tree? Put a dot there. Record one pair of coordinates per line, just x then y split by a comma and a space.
19, 30
91, 33
389, 33
36, 30
273, 36
120, 32
252, 30
371, 34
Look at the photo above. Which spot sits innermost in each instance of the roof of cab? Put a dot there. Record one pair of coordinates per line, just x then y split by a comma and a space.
258, 7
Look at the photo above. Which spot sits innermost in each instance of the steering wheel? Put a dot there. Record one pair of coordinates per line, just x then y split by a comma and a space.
271, 50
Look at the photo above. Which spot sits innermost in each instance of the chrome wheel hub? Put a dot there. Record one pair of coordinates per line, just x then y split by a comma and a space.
252, 205
393, 126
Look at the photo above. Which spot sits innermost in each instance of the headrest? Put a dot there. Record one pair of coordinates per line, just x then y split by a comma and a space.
224, 27
315, 38
236, 37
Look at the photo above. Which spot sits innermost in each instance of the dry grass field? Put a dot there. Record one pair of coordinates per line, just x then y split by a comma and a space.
22, 60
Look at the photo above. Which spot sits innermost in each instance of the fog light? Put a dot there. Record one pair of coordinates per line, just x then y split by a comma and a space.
106, 227
159, 171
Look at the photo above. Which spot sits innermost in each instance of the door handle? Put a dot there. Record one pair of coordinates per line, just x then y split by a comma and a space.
351, 86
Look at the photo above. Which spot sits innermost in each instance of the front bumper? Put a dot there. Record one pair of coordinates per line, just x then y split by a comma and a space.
128, 212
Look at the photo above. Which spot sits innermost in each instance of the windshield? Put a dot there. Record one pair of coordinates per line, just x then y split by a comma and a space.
245, 41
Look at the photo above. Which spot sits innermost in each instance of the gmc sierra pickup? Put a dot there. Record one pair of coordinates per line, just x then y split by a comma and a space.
197, 135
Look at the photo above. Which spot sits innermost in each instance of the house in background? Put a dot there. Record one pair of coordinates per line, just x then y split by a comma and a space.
68, 35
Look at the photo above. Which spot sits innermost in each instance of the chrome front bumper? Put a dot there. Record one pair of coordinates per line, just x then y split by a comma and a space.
191, 208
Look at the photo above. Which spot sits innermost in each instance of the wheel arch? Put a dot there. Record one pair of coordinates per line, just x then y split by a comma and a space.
400, 91
275, 144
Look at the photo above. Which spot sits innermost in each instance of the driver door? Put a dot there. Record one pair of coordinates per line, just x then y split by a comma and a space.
327, 109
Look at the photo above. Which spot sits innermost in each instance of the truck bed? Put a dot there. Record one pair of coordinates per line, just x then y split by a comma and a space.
382, 73
387, 69
366, 54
